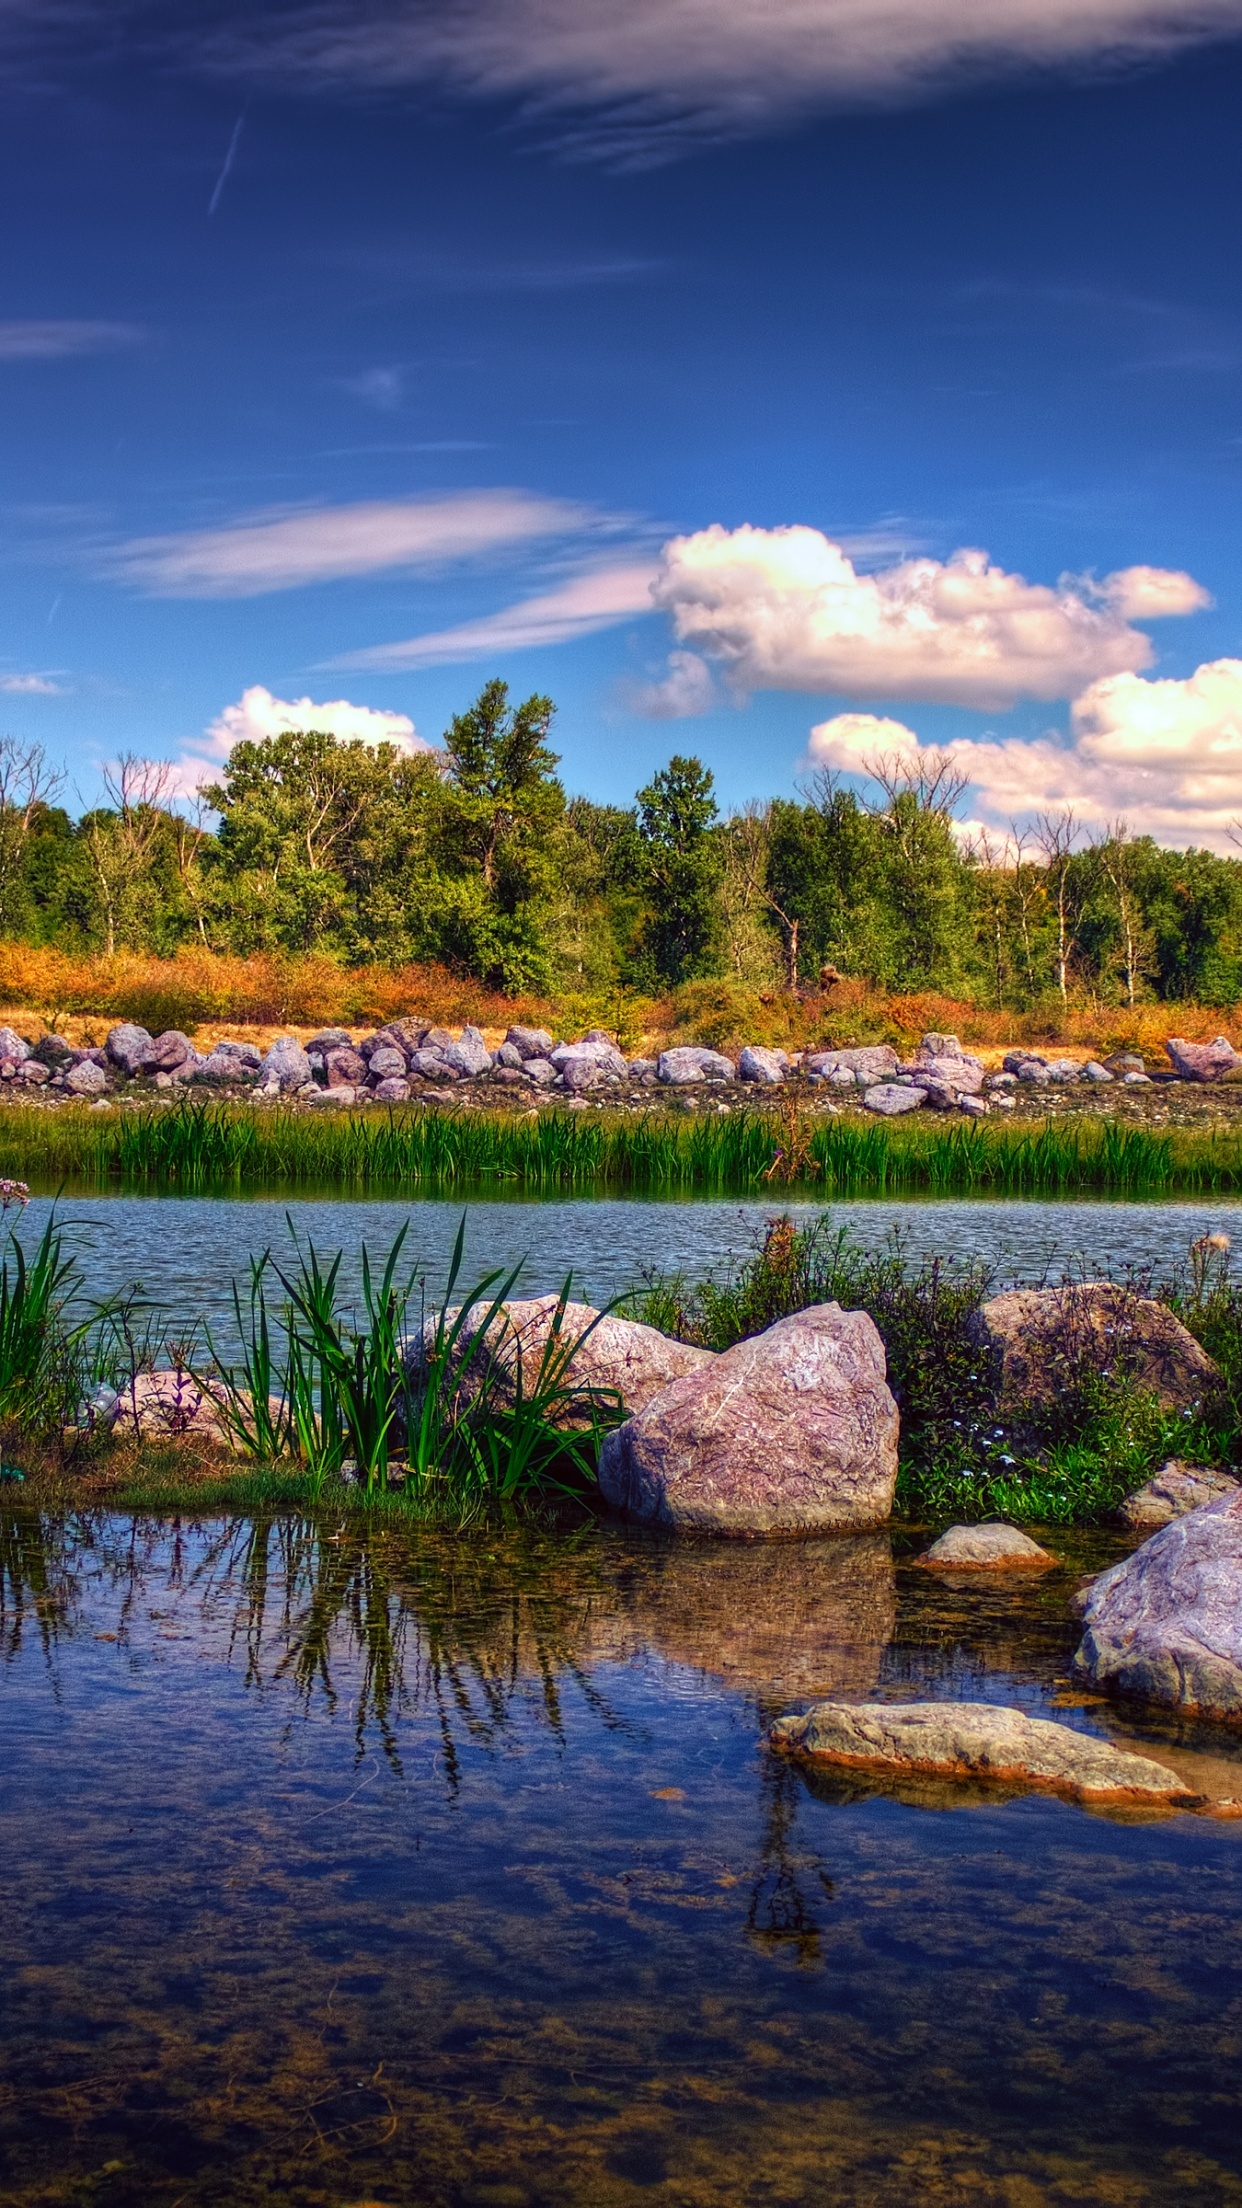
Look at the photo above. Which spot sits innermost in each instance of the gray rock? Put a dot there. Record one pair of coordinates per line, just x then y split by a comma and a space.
1136, 1081
889, 1099
220, 1068
86, 1078
248, 1054
385, 1064
688, 1062
620, 1361
33, 1071
641, 1069
941, 1046
510, 1057
393, 1089
985, 1549
579, 1070
791, 1432
346, 1068
1041, 1340
1014, 1060
1172, 1491
766, 1066
168, 1052
876, 1060
468, 1056
328, 1038
596, 1051
125, 1046
431, 1065
954, 1071
973, 1106
1094, 1071
286, 1066
1166, 1623
1035, 1073
15, 1050
1064, 1069
1124, 1061
540, 1071
531, 1042
1202, 1061
974, 1740
436, 1038
999, 1083
342, 1092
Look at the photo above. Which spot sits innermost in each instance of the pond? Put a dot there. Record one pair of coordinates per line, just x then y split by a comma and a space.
348, 1865
185, 1250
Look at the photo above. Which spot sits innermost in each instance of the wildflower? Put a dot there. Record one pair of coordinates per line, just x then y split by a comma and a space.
13, 1192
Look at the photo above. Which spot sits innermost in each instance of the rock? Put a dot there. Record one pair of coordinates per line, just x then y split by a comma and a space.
941, 1046
1166, 1623
1124, 1061
541, 1071
1035, 1073
1136, 1080
985, 1549
16, 1051
791, 1432
341, 1093
86, 1078
618, 1357
1041, 1340
1172, 1491
468, 1056
1014, 1060
876, 1060
531, 1042
408, 1034
393, 1089
329, 1038
385, 1064
223, 1066
346, 1068
164, 1405
582, 1065
168, 1052
246, 1054
508, 1058
584, 1070
53, 1052
973, 1106
641, 1069
974, 1740
766, 1066
999, 1084
689, 1063
126, 1046
889, 1099
33, 1071
1064, 1069
1094, 1071
286, 1065
950, 1070
1202, 1061
430, 1064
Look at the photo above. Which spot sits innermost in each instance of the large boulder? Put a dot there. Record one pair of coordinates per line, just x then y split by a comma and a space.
791, 1432
86, 1078
766, 1066
1166, 1623
875, 1060
946, 1066
16, 1051
1172, 1491
286, 1066
891, 1098
1202, 1061
619, 1359
53, 1052
974, 1740
125, 1046
1043, 1341
690, 1063
530, 1042
168, 1053
468, 1056
584, 1065
346, 1068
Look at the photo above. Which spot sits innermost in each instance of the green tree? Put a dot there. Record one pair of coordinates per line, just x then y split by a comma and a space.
499, 823
678, 861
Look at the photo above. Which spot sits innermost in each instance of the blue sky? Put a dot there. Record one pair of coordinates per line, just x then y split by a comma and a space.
323, 337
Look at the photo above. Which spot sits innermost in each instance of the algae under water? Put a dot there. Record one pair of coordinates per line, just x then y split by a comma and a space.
347, 1864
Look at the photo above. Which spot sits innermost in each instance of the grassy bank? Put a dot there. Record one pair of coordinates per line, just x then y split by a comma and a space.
219, 1149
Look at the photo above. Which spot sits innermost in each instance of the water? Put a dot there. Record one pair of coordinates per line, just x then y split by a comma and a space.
348, 1866
185, 1250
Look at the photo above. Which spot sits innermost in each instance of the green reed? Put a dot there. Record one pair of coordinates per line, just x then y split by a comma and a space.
215, 1147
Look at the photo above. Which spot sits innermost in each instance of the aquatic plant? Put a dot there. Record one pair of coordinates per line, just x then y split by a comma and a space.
198, 1145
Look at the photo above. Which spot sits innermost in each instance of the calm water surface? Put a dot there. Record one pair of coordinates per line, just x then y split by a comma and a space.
185, 1250
346, 1866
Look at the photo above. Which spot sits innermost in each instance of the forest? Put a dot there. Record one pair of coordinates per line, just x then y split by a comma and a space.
473, 858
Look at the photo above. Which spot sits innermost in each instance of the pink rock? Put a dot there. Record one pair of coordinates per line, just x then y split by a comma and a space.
1202, 1061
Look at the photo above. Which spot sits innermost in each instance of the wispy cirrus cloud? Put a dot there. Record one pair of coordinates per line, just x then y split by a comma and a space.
49, 340
291, 548
596, 600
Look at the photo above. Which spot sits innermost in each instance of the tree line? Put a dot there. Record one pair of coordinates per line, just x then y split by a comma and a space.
474, 856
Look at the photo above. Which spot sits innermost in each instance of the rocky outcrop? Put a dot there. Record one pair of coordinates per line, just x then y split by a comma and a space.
791, 1432
985, 1549
1165, 1625
688, 1063
620, 1361
1203, 1061
1042, 1341
1172, 1491
974, 1741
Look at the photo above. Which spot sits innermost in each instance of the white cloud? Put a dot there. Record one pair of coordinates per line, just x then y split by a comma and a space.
597, 600
1166, 755
1154, 593
653, 74
688, 689
258, 714
30, 686
21, 341
290, 548
786, 609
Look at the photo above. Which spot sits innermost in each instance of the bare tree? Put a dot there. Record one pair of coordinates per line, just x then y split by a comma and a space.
1111, 852
1055, 833
934, 779
26, 783
749, 847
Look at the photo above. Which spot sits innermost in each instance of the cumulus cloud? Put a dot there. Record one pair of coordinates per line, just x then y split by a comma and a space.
1165, 754
30, 686
20, 341
293, 547
1153, 593
654, 75
689, 688
786, 609
257, 714
597, 600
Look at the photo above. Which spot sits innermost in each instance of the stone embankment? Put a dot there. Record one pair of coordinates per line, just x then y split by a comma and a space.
406, 1060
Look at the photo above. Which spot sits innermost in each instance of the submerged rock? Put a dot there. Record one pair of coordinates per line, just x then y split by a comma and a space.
985, 1549
1172, 1491
1166, 1623
974, 1740
791, 1432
